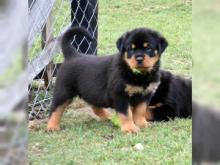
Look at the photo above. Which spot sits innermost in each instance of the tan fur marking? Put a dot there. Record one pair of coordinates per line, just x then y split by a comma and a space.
149, 62
145, 44
149, 115
54, 121
131, 90
139, 115
126, 122
102, 113
152, 87
155, 106
130, 61
133, 46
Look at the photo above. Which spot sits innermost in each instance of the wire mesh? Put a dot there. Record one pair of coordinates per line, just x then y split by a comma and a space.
48, 20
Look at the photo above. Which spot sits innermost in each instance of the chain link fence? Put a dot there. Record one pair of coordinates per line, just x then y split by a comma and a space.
47, 21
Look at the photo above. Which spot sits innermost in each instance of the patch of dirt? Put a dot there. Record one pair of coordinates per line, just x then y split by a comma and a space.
36, 124
78, 109
77, 103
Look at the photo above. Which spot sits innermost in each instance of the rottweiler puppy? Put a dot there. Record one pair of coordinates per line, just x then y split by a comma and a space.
125, 81
173, 98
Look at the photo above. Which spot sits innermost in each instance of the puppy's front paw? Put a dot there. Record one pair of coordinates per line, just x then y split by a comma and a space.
130, 128
53, 128
142, 123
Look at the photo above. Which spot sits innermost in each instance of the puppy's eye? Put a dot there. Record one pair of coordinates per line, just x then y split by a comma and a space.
150, 51
148, 48
131, 49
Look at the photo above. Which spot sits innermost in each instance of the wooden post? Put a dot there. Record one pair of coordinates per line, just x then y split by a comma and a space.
47, 36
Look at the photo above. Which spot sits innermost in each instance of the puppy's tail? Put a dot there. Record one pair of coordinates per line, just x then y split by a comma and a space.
67, 38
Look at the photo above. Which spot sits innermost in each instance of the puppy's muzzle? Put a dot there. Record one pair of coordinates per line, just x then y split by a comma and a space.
139, 60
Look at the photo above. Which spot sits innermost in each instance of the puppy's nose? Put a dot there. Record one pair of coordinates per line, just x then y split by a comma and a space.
140, 59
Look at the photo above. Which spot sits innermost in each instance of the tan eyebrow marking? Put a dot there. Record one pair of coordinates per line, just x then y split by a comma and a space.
145, 44
133, 46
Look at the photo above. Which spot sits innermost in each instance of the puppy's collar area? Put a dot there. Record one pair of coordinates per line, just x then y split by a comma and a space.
132, 90
153, 87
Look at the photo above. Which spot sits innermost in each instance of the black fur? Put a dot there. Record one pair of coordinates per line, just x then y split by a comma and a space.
175, 94
66, 43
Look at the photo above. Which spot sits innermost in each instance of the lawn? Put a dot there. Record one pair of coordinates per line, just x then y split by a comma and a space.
84, 140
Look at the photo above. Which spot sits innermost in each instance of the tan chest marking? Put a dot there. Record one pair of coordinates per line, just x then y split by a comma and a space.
152, 87
132, 89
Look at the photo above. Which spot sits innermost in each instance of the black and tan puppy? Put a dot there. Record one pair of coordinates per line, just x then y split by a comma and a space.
125, 81
173, 98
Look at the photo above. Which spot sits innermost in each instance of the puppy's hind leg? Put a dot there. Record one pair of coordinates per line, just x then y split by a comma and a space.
102, 113
59, 104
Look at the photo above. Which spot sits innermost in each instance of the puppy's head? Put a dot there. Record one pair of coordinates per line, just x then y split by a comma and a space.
141, 48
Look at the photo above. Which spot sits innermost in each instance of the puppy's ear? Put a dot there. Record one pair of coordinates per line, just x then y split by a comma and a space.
120, 42
162, 45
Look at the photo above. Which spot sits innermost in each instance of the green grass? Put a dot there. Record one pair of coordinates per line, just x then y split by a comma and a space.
83, 140
87, 141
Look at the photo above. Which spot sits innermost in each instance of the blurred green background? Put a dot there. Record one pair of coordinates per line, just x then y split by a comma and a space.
206, 52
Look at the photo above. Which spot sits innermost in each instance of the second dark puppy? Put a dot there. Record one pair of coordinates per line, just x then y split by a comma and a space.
125, 81
173, 98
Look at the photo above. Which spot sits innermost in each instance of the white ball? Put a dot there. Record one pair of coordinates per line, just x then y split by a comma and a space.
138, 147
